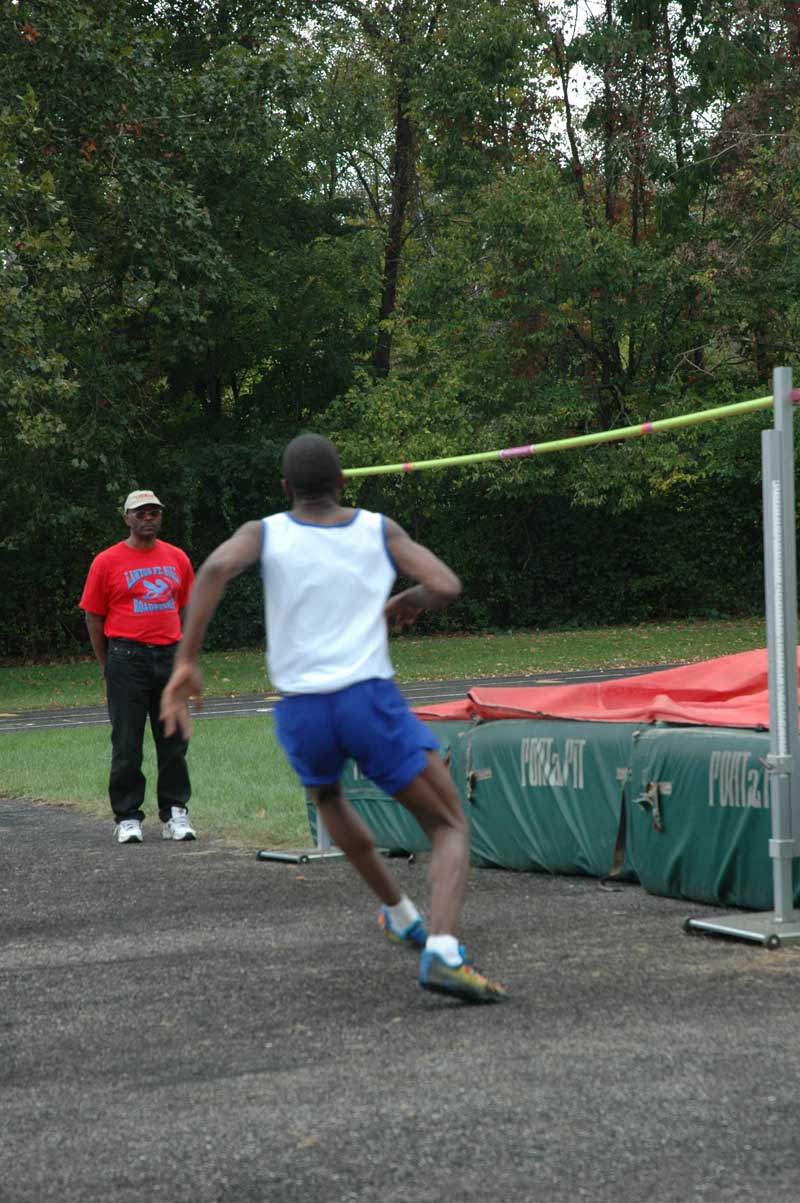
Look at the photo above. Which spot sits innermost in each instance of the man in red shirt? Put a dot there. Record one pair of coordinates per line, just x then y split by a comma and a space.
133, 599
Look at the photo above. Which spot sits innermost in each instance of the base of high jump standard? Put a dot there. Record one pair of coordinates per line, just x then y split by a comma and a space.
325, 849
782, 925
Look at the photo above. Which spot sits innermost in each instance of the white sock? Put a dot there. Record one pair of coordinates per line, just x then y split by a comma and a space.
446, 947
403, 913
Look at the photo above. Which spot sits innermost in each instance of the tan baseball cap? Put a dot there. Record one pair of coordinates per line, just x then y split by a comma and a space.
140, 497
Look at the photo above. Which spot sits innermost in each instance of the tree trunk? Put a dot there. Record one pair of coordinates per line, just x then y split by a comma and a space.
402, 183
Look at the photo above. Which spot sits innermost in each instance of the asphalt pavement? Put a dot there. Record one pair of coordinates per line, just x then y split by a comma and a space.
186, 1024
182, 1023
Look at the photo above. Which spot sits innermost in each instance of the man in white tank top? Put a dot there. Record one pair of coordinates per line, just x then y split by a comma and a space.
328, 572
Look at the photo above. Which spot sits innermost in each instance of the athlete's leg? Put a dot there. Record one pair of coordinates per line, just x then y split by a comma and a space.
396, 751
350, 833
434, 802
432, 798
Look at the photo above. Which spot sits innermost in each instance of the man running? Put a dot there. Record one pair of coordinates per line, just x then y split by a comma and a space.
328, 571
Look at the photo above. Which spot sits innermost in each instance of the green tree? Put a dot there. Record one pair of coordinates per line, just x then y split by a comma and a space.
160, 238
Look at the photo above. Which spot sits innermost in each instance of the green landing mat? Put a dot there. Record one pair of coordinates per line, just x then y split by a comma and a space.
683, 810
546, 794
539, 795
698, 823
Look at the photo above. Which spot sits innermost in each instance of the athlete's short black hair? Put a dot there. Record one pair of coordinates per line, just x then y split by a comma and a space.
311, 467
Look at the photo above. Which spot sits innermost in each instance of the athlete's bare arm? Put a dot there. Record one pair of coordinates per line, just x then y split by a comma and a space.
437, 584
232, 557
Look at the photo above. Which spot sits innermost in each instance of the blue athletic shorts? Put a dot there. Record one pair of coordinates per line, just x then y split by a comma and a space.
369, 722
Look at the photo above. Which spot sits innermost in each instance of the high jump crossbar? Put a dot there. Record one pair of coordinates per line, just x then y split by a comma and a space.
581, 440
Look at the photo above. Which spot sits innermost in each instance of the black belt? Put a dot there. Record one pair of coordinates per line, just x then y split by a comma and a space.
138, 642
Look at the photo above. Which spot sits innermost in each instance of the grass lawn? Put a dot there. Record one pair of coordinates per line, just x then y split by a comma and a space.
77, 682
242, 786
243, 789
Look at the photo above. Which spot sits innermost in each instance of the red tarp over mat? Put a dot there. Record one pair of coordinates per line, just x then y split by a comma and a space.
730, 691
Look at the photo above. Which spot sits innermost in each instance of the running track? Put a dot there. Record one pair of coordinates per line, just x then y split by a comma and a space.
418, 693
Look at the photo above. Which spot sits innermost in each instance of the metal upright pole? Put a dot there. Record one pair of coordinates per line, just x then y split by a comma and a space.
784, 421
780, 588
781, 601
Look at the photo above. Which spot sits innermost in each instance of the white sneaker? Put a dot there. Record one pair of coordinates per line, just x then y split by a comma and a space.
178, 827
129, 831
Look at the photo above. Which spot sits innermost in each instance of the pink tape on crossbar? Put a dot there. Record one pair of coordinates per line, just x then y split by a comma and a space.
408, 467
509, 452
647, 427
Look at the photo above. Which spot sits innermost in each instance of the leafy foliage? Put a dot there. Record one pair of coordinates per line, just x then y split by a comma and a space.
424, 227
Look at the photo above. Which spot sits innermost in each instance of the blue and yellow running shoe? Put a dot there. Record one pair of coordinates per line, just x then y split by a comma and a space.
414, 936
462, 981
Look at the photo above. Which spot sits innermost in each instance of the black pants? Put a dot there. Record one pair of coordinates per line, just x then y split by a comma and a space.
136, 674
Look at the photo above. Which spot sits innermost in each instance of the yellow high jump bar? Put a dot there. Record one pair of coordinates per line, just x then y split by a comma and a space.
583, 440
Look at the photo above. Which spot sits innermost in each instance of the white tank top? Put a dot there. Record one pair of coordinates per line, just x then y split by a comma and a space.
325, 588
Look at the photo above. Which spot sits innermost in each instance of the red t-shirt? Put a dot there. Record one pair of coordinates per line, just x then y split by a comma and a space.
139, 592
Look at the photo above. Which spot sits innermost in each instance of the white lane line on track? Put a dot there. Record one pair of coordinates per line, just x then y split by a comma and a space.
102, 720
423, 692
